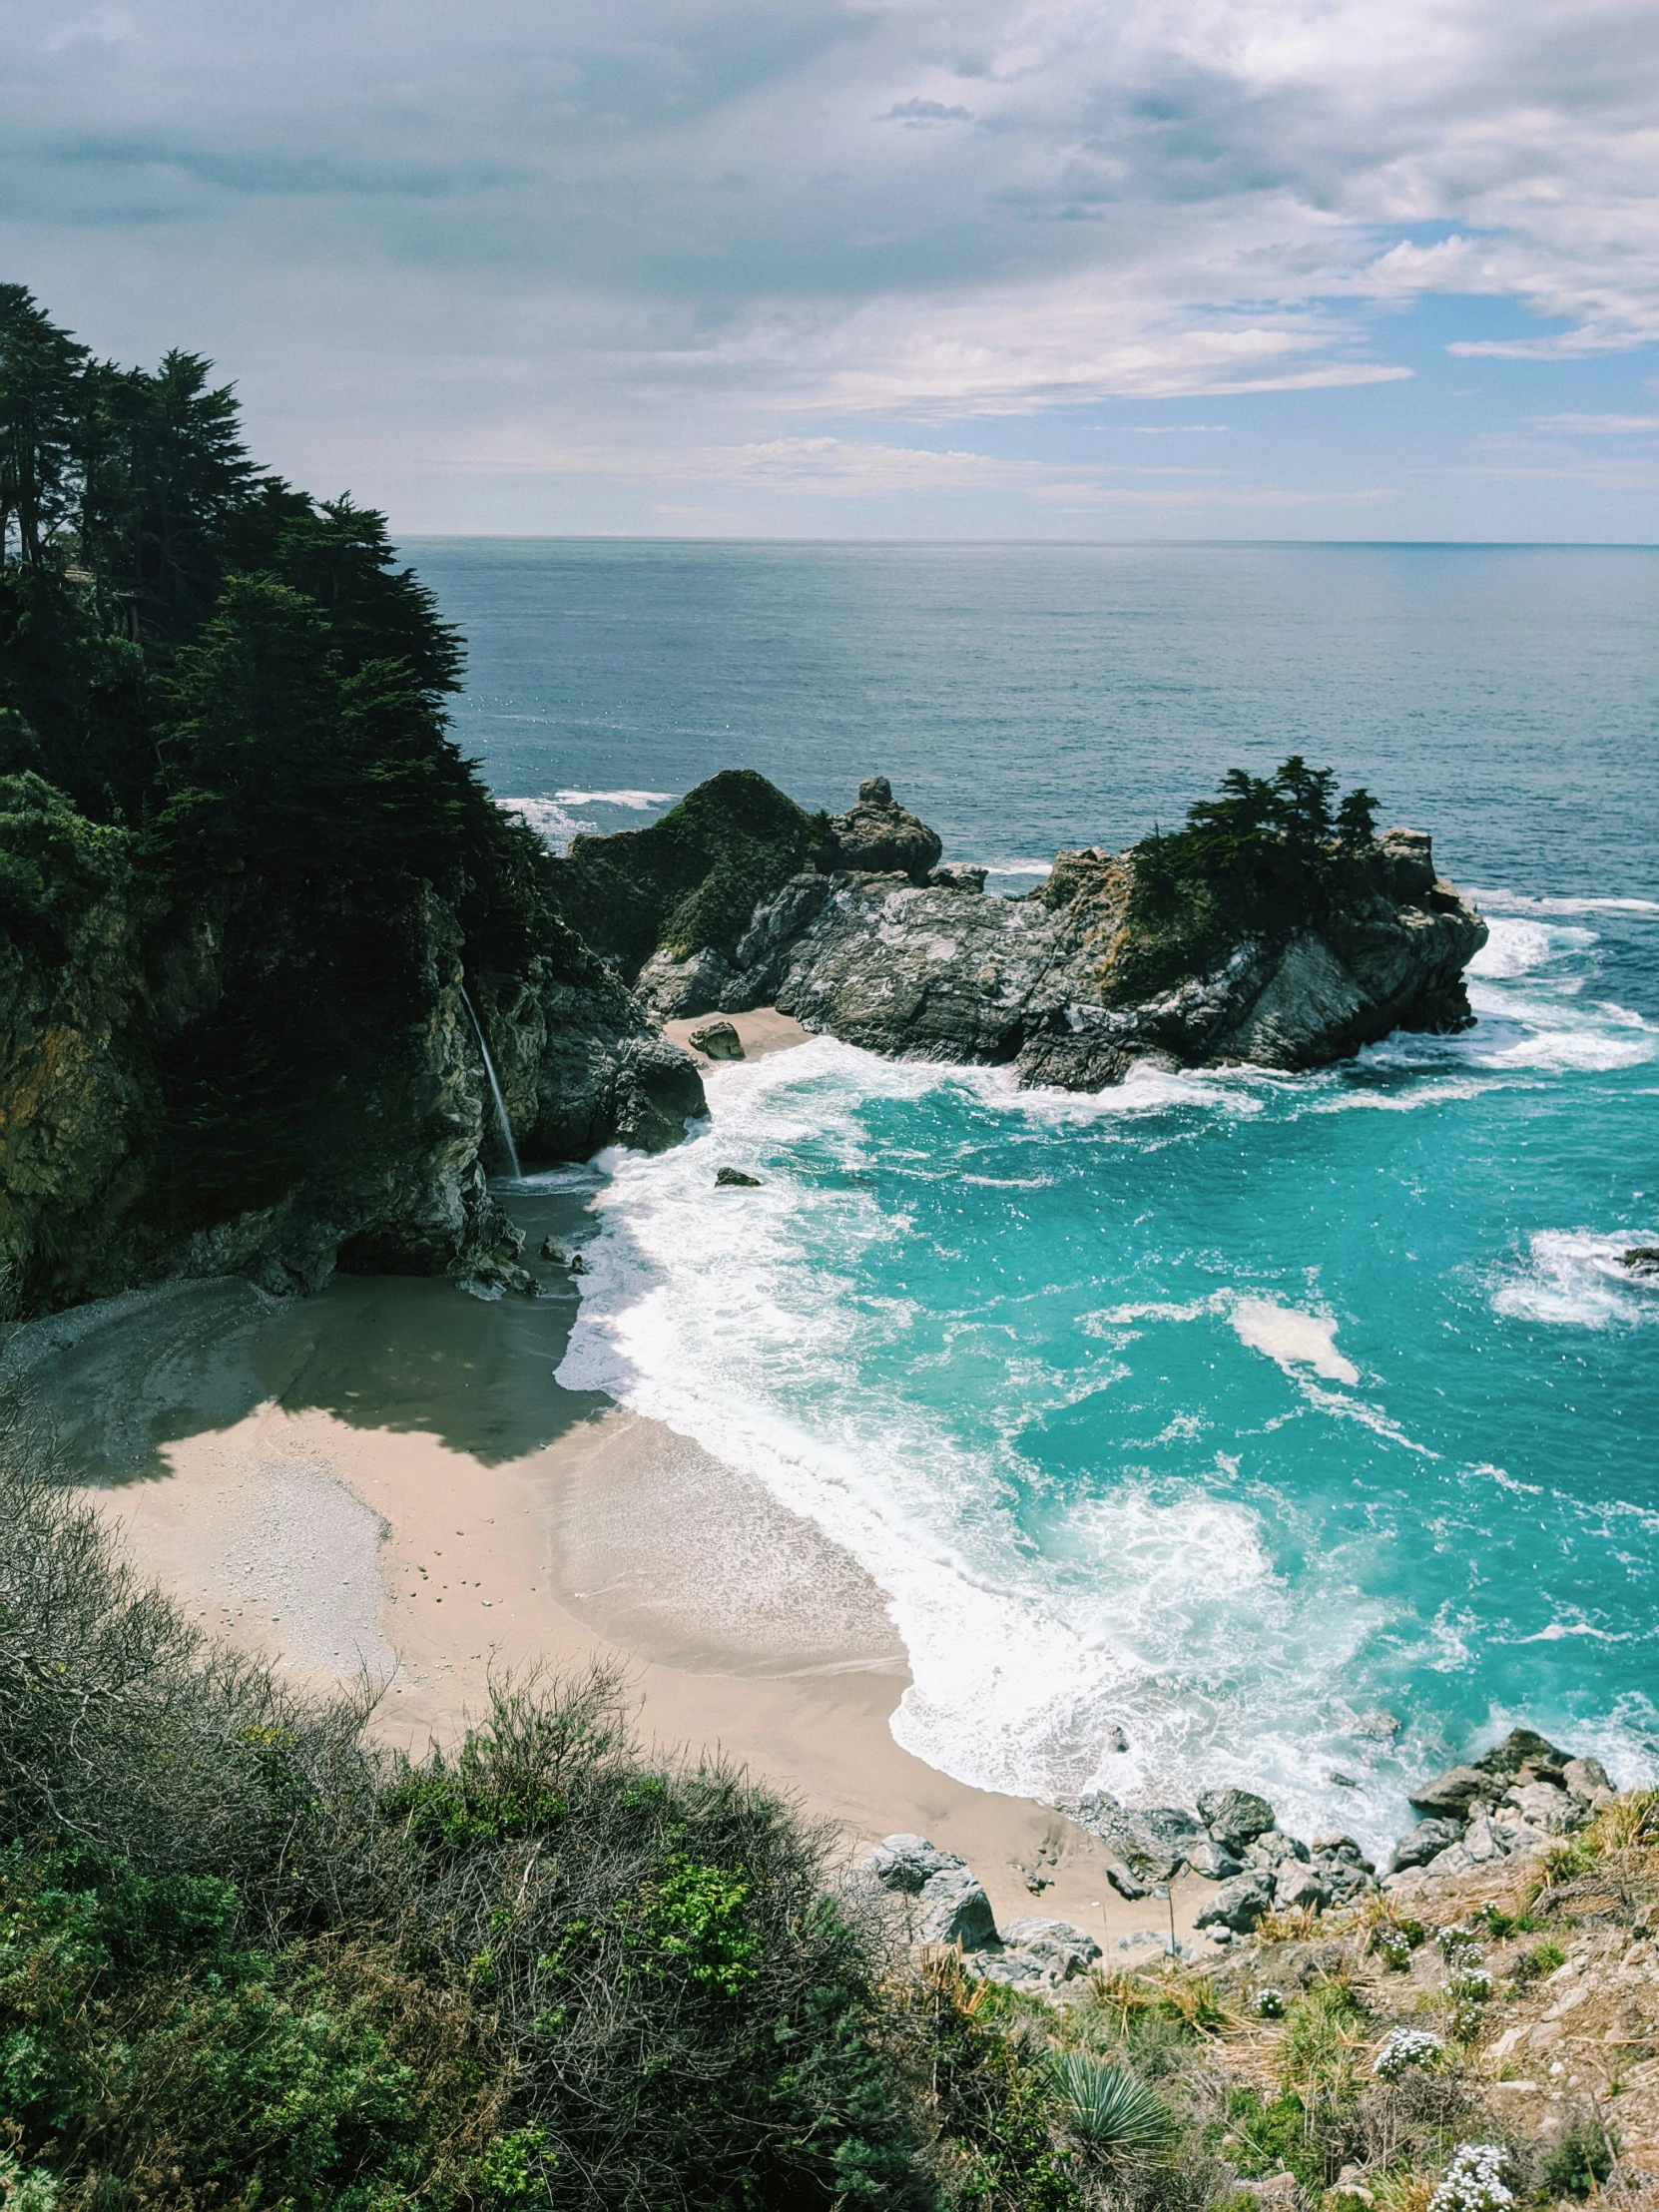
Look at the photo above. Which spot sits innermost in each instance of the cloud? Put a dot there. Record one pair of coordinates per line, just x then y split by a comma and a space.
672, 226
920, 113
1598, 425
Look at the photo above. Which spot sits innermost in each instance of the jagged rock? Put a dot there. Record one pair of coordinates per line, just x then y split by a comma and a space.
1125, 1883
1038, 1952
671, 988
906, 1863
1235, 1818
1524, 1755
960, 876
1274, 1849
1423, 1843
1239, 1905
1586, 1779
1114, 1740
733, 1179
953, 1908
1455, 1795
1152, 1840
718, 1041
578, 1266
550, 1251
1641, 1259
1542, 1804
879, 838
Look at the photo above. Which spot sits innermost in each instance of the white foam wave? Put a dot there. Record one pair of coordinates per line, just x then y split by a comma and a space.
1518, 947
638, 801
1291, 1337
551, 821
1013, 867
1521, 902
1574, 1277
1152, 1605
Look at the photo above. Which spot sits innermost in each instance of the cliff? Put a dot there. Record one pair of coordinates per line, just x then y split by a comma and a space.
1286, 951
169, 1107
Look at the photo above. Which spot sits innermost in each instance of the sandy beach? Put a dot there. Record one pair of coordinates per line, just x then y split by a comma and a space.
386, 1479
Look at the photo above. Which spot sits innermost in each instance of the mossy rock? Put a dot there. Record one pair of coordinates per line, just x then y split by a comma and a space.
693, 879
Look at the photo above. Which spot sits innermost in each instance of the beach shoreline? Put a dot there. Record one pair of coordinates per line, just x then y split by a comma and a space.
384, 1483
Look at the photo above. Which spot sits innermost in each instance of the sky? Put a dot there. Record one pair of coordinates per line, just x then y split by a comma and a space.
1129, 268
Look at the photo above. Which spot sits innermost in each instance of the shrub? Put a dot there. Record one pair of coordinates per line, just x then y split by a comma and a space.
1474, 2180
1405, 2047
1114, 2112
1581, 2161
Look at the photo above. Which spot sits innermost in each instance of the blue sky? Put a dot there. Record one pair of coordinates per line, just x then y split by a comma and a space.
1123, 268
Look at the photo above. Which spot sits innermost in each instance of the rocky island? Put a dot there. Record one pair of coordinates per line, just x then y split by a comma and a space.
1277, 928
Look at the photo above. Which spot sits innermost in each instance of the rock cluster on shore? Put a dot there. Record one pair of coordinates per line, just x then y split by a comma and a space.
1508, 1802
879, 945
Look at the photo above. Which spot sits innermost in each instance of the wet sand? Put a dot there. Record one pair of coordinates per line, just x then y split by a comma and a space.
386, 1479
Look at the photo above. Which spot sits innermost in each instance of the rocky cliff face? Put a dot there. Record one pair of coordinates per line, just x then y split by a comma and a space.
1057, 983
112, 1171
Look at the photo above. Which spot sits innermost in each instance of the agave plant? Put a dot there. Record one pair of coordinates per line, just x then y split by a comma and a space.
1108, 2107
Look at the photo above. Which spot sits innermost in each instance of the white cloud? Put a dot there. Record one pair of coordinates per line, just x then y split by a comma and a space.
431, 239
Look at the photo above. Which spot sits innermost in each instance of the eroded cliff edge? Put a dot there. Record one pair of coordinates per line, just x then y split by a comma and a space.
1281, 941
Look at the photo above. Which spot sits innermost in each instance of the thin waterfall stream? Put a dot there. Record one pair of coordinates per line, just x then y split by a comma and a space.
504, 1128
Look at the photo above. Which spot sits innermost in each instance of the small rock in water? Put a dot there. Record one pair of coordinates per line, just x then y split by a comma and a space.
733, 1179
578, 1266
718, 1041
1641, 1259
1381, 1727
550, 1251
1114, 1739
1343, 1780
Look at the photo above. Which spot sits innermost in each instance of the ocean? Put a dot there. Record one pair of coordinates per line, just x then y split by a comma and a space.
1221, 1413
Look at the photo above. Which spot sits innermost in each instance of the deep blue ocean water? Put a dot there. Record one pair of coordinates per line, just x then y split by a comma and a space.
1225, 1408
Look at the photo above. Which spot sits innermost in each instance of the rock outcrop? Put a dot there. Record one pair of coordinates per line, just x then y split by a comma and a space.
1070, 985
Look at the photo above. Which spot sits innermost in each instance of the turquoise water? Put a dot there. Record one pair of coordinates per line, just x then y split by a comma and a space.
1228, 1408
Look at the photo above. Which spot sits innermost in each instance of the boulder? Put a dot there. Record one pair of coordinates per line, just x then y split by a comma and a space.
877, 836
908, 1863
1235, 1818
657, 1091
1540, 1805
1330, 1843
550, 1251
1641, 1259
1523, 1753
733, 1179
1239, 1905
1342, 1878
1380, 1727
953, 1908
1274, 1849
1586, 1780
1058, 1948
1207, 1858
1152, 1840
1424, 1842
1455, 1795
1125, 1884
959, 878
1300, 1887
718, 1041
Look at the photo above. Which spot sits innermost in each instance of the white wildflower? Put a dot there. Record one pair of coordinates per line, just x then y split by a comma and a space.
1474, 2182
1403, 2047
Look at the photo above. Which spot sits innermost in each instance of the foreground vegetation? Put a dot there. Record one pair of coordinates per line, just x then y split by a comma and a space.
250, 1959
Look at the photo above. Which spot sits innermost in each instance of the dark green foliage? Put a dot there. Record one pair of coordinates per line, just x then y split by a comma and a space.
1264, 857
244, 679
1581, 2161
247, 1957
54, 863
694, 877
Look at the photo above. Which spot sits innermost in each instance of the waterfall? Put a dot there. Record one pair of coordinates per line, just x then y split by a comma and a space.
505, 1127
